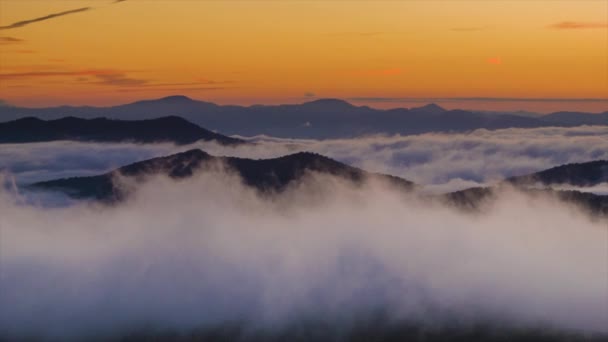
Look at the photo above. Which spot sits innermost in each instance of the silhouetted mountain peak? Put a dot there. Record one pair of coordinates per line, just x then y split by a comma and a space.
578, 174
328, 104
264, 174
176, 98
193, 153
177, 101
304, 155
165, 129
431, 108
28, 119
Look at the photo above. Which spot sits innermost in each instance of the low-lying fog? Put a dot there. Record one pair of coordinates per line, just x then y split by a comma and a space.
443, 162
207, 250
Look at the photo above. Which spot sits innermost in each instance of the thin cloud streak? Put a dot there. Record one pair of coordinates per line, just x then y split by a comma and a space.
10, 40
86, 72
46, 17
119, 79
574, 25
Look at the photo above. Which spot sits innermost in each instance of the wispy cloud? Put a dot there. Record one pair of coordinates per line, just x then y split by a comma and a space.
577, 25
55, 73
46, 17
49, 16
10, 40
25, 51
119, 79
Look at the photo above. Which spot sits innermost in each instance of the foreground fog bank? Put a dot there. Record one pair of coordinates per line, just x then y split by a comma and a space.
444, 162
207, 251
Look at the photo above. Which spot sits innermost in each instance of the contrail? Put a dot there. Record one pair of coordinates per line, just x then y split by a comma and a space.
46, 17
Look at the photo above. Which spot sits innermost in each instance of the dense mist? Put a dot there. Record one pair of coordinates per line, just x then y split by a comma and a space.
207, 251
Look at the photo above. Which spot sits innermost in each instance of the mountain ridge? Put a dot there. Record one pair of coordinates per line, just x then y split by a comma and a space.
266, 175
274, 175
319, 118
576, 174
585, 174
164, 129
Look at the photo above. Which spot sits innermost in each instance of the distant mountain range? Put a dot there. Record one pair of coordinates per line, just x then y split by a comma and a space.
274, 175
268, 175
325, 118
167, 129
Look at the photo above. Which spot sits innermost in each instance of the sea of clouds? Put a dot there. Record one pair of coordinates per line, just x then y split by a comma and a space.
442, 162
207, 250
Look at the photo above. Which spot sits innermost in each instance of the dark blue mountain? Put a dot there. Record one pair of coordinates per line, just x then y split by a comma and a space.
167, 129
578, 174
266, 175
325, 118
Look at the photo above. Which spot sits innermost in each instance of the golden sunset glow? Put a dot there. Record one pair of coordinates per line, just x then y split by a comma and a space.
382, 54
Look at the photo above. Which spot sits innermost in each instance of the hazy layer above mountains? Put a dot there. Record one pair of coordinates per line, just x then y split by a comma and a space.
325, 118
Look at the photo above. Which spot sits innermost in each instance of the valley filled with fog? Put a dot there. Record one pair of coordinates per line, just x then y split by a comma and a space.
303, 171
440, 161
208, 251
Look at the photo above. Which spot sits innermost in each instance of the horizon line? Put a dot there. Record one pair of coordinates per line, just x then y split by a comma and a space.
349, 100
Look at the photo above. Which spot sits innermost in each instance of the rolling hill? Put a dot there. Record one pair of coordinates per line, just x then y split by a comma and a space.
166, 129
266, 175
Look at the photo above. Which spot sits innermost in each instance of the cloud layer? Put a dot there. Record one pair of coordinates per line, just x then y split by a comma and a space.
207, 251
43, 18
578, 25
445, 161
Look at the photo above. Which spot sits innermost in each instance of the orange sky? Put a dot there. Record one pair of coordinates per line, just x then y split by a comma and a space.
382, 54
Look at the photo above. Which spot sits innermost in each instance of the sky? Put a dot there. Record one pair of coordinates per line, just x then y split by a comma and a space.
492, 55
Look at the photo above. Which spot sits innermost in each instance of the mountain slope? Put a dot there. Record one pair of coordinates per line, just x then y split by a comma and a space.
474, 199
165, 129
576, 118
264, 175
581, 174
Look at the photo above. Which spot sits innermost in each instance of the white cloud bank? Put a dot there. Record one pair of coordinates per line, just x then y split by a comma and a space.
445, 161
206, 250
